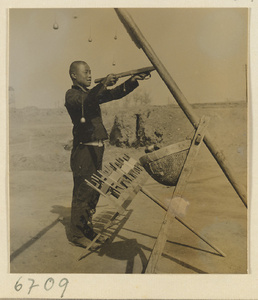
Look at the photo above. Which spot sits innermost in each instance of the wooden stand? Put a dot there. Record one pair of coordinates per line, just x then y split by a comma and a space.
177, 204
122, 181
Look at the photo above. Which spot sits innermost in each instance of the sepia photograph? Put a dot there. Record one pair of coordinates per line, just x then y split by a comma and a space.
128, 140
128, 148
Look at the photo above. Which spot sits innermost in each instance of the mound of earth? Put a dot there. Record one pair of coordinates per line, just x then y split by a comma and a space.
167, 124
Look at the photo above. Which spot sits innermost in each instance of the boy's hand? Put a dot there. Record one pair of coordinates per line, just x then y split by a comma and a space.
141, 76
110, 80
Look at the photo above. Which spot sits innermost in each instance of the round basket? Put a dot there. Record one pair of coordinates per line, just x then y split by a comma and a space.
165, 165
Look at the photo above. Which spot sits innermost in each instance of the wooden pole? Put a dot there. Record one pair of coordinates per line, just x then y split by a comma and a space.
141, 42
246, 83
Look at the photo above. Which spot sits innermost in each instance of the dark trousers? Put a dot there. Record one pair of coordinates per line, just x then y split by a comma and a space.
85, 161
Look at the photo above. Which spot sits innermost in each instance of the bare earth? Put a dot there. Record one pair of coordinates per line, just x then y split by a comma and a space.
41, 188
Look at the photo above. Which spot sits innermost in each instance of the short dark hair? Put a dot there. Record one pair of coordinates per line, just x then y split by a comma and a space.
74, 66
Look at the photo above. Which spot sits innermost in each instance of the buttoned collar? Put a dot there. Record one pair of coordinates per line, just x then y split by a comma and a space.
78, 87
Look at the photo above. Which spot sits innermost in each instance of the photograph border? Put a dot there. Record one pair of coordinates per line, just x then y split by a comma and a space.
137, 286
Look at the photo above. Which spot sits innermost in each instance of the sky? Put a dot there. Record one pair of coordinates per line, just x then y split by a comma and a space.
204, 49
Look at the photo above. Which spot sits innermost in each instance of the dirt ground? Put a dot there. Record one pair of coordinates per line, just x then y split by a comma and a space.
40, 185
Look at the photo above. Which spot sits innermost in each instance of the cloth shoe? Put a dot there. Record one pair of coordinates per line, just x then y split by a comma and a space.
83, 242
91, 234
80, 242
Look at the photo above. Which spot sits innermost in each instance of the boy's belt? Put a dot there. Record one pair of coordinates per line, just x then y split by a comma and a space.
98, 143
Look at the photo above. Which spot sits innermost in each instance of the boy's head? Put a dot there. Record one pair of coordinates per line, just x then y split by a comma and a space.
80, 73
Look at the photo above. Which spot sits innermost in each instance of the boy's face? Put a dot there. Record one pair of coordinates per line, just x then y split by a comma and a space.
82, 75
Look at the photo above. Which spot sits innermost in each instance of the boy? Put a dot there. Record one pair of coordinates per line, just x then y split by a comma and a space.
83, 106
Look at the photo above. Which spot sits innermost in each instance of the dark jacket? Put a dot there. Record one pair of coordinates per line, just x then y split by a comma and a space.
87, 103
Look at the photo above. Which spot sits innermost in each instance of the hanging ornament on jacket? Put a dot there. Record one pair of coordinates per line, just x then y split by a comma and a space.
83, 120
